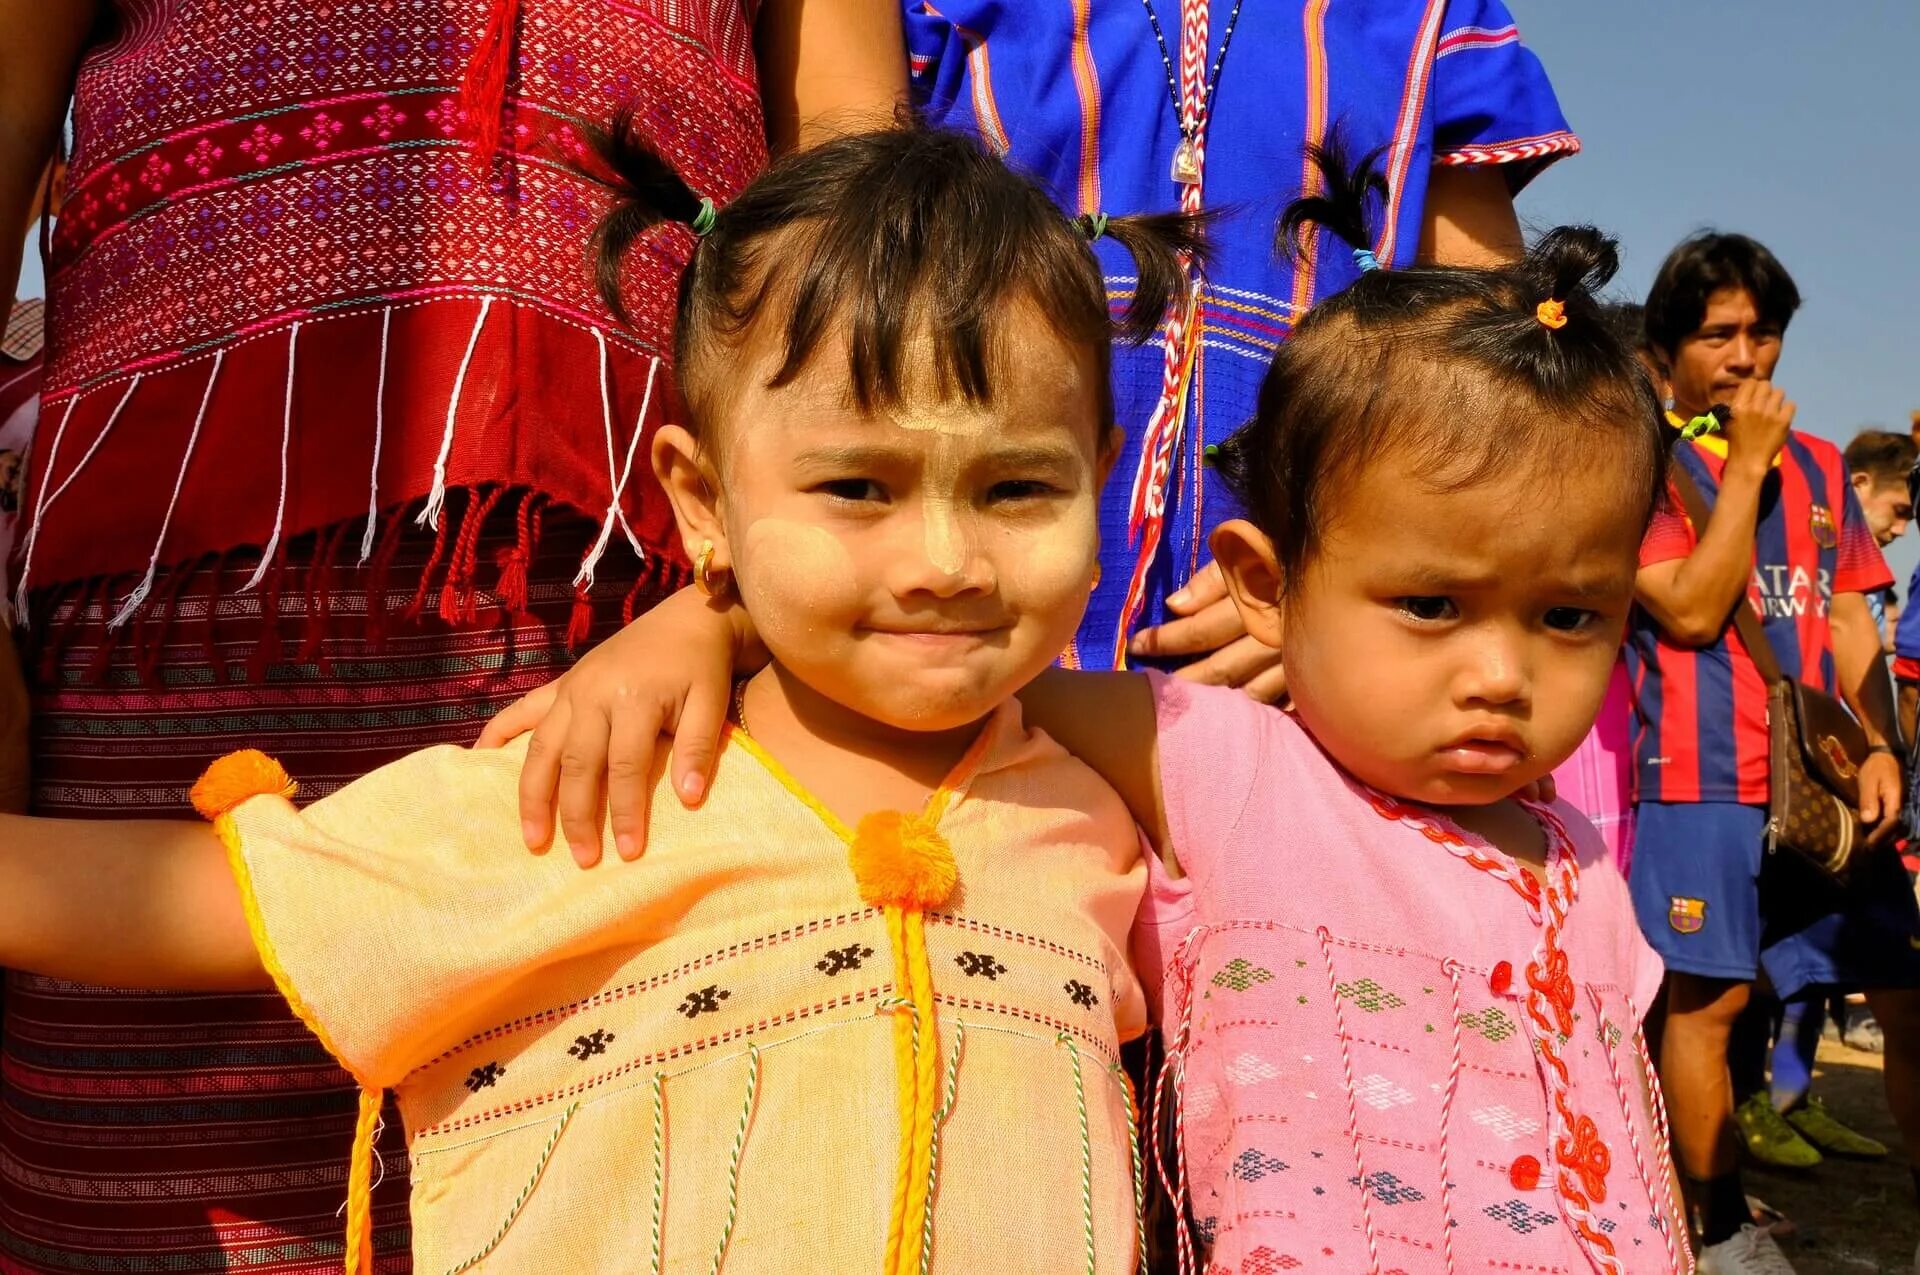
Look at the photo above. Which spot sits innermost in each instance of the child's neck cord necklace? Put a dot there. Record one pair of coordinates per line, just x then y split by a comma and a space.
740, 706
1192, 97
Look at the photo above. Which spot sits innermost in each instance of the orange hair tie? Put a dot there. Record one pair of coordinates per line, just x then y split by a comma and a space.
1552, 313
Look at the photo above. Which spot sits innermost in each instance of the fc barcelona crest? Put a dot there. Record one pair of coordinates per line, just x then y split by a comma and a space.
1820, 522
1687, 916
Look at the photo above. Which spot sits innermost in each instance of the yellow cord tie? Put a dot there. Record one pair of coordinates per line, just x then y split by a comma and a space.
903, 867
360, 1185
1552, 313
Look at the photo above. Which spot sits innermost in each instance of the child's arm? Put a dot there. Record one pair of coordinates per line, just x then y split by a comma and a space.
124, 903
1107, 721
670, 671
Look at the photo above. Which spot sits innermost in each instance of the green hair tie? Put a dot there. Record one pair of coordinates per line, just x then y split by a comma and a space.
702, 223
1705, 423
1095, 225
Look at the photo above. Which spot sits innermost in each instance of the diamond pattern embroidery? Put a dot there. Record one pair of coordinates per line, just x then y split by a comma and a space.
1201, 1102
1250, 1069
1505, 1122
1380, 1093
1264, 1261
1522, 1217
1251, 1165
1389, 1189
1492, 1022
1369, 995
1239, 975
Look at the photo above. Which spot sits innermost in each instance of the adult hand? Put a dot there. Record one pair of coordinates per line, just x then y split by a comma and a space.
1208, 625
1880, 796
1762, 415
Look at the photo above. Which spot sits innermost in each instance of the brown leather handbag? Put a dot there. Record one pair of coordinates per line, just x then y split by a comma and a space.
1815, 746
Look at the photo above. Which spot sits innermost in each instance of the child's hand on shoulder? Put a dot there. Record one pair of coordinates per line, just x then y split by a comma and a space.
597, 729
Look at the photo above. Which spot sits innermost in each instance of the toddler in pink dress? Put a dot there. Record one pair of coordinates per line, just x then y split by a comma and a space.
1391, 1001
1402, 1006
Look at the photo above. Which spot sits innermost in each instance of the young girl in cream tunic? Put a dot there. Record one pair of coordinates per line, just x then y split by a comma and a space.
863, 1009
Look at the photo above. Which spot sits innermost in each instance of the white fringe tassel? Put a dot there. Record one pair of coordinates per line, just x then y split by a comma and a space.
46, 504
286, 439
33, 530
615, 514
140, 591
379, 430
437, 498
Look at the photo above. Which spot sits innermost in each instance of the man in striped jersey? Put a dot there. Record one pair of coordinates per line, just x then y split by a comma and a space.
1788, 538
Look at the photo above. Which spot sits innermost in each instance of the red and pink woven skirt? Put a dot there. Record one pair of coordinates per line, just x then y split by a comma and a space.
153, 1132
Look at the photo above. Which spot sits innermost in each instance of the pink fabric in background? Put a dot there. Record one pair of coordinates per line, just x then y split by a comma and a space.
1598, 779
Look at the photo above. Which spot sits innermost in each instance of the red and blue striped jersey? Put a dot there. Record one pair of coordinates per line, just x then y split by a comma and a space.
1700, 730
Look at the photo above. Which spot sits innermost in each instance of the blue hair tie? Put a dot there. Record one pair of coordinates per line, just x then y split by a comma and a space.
1364, 258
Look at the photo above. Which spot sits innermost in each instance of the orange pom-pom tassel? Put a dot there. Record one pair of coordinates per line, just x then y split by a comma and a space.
237, 777
902, 860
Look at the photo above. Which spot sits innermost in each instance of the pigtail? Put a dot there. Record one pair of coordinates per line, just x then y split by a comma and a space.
1344, 205
1551, 328
1163, 246
1571, 265
647, 192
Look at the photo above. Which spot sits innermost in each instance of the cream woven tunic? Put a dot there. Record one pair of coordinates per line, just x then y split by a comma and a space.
691, 1062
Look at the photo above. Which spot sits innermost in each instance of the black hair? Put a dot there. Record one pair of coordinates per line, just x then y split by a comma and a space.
1889, 457
1628, 319
1702, 265
890, 233
1456, 367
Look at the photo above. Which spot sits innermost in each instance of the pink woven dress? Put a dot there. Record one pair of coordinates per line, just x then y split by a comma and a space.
1389, 1048
1598, 779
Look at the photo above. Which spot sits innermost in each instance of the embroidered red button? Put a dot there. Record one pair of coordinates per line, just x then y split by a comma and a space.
1502, 978
1525, 1173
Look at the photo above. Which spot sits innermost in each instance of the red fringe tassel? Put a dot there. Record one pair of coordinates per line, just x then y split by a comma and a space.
483, 93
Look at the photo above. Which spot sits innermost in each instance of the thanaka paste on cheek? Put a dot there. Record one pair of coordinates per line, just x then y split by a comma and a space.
786, 570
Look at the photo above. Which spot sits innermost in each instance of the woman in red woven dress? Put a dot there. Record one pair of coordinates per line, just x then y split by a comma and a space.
337, 451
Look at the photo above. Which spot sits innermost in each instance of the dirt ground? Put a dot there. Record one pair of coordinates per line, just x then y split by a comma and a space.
1852, 1216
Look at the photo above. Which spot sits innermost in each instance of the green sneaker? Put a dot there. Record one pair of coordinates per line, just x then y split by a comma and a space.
1828, 1134
1771, 1139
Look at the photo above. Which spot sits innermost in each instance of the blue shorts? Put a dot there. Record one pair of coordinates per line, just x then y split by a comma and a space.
1697, 888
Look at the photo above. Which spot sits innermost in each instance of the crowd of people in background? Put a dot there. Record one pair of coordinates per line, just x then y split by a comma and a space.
348, 425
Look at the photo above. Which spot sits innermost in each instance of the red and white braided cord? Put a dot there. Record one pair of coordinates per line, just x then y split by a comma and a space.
1147, 507
1169, 1086
1353, 1106
1655, 1192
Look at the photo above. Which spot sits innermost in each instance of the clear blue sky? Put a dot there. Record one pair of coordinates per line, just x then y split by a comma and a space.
1798, 124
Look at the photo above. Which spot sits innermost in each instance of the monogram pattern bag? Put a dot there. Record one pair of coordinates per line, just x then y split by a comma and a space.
1814, 746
